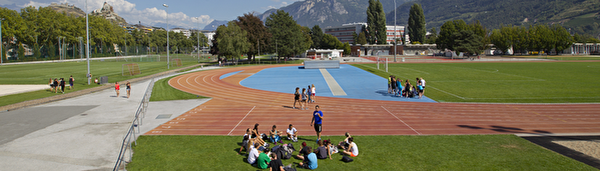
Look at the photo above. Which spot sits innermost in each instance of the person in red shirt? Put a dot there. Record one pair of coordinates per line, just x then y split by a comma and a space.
117, 88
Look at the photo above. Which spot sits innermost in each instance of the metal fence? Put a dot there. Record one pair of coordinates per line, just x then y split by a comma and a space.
130, 137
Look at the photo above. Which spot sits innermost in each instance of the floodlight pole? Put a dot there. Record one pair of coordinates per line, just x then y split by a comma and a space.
2, 54
168, 60
395, 31
87, 44
198, 35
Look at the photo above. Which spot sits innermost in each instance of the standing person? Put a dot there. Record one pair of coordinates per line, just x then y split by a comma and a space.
303, 102
423, 85
419, 88
117, 88
128, 88
51, 83
62, 85
317, 120
393, 84
71, 81
389, 84
399, 88
309, 94
292, 133
313, 91
297, 97
55, 85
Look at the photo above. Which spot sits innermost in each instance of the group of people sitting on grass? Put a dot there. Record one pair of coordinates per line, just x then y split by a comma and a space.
408, 90
307, 96
263, 157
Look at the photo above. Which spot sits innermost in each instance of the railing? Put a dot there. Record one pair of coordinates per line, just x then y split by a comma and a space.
134, 128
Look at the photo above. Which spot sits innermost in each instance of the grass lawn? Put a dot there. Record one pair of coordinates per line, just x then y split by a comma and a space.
453, 152
527, 82
162, 91
40, 73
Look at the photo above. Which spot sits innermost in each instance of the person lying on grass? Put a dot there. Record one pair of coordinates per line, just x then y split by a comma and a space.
352, 149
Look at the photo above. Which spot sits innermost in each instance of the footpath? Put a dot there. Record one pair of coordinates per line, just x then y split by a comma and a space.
80, 132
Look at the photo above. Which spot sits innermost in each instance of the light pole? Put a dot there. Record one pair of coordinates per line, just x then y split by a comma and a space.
87, 43
2, 54
198, 35
395, 31
168, 60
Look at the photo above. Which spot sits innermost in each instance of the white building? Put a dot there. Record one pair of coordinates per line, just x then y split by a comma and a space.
345, 33
185, 32
209, 35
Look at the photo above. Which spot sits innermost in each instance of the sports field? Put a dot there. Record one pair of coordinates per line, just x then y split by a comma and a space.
40, 73
527, 82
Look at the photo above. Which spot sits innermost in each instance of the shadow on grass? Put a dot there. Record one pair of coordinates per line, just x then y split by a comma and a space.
547, 142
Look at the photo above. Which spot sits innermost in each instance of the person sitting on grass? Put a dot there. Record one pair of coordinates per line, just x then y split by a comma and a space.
292, 133
253, 154
263, 159
311, 160
245, 141
256, 135
331, 149
275, 164
321, 151
352, 149
344, 144
275, 135
303, 152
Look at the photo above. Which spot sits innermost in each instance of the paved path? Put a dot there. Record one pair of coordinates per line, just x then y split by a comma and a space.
16, 89
235, 108
79, 133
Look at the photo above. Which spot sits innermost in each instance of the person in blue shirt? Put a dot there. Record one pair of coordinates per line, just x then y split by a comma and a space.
317, 120
311, 160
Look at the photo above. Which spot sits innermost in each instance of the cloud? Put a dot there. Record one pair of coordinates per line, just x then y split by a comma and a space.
130, 13
283, 4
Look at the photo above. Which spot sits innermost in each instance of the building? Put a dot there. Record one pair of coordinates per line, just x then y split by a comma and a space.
346, 32
209, 35
185, 32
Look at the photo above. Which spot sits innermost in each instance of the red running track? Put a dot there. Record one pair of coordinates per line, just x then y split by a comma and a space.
235, 108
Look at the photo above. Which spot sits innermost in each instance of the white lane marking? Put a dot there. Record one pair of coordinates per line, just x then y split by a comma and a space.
335, 88
400, 120
241, 120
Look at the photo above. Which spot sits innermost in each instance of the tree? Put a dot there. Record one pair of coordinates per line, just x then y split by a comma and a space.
362, 39
316, 34
21, 52
416, 24
214, 50
458, 36
468, 41
287, 34
376, 25
307, 43
258, 35
347, 48
564, 40
432, 37
331, 42
232, 40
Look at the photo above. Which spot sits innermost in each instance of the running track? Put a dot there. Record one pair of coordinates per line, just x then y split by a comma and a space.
235, 108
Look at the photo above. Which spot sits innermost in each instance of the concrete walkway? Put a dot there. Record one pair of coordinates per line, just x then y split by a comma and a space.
80, 133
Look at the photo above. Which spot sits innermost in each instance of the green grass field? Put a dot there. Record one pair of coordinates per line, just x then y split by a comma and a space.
464, 152
528, 82
162, 91
40, 73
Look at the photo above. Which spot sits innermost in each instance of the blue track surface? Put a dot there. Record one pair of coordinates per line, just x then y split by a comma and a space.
357, 83
229, 74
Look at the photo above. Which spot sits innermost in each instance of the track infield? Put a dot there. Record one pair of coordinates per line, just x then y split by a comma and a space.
235, 108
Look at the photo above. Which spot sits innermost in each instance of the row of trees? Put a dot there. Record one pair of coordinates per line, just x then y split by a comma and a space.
41, 29
532, 38
279, 34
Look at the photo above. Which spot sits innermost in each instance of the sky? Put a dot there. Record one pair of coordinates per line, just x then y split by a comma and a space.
181, 12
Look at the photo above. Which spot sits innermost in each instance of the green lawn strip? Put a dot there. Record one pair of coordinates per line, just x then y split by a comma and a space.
554, 57
40, 73
528, 82
162, 91
444, 152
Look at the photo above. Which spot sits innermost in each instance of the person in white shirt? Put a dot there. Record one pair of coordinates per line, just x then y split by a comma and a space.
253, 155
352, 149
292, 133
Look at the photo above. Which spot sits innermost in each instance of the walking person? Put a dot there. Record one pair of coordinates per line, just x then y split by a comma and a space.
313, 91
128, 88
51, 83
117, 88
71, 81
309, 90
303, 102
317, 119
423, 85
390, 84
62, 85
55, 85
393, 84
297, 98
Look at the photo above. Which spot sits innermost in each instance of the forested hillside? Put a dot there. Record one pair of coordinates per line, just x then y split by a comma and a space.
582, 16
